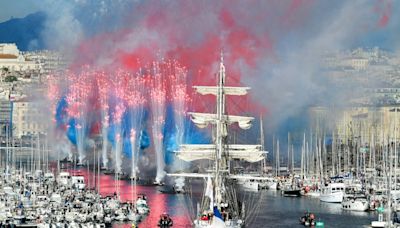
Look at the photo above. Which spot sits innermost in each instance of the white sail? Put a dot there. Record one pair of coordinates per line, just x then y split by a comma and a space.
192, 152
209, 192
203, 119
220, 152
227, 90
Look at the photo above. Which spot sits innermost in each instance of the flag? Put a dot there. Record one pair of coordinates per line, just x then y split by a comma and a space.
209, 192
217, 222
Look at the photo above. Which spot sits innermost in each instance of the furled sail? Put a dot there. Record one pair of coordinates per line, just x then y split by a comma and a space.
203, 119
192, 152
227, 90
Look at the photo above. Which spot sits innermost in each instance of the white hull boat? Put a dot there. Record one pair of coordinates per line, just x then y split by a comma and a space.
273, 186
314, 194
355, 204
333, 193
336, 197
212, 224
249, 185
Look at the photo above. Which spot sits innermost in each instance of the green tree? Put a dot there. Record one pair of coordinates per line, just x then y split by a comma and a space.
10, 78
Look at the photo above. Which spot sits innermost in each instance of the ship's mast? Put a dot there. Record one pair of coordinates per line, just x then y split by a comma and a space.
221, 132
220, 152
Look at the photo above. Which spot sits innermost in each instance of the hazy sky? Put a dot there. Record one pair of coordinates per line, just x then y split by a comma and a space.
17, 8
288, 36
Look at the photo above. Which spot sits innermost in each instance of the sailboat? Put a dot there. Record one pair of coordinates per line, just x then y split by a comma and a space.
222, 208
256, 181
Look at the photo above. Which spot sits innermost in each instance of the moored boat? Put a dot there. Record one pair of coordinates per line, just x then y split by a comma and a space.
308, 219
291, 192
355, 203
333, 193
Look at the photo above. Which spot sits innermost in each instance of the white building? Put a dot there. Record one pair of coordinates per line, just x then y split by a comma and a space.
49, 60
359, 63
5, 116
10, 49
27, 119
13, 60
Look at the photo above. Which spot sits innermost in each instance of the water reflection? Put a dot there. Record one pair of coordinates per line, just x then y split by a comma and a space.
159, 203
274, 211
280, 211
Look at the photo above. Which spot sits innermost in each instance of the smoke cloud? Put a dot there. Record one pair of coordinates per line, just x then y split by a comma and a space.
276, 47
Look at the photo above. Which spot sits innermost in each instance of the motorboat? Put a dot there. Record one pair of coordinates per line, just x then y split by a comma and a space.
333, 193
308, 219
165, 221
291, 192
355, 203
78, 182
64, 178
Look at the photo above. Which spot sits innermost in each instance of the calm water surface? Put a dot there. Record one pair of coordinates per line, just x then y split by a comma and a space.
274, 210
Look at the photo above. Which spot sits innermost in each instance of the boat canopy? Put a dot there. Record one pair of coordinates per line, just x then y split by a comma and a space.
192, 152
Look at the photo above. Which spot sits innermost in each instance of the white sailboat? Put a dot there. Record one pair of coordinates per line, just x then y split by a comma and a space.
258, 181
222, 201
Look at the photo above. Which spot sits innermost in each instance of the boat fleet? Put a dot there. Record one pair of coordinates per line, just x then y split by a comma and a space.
352, 196
62, 199
44, 200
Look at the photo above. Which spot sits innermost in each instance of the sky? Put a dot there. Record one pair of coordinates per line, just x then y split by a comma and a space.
384, 37
273, 46
17, 9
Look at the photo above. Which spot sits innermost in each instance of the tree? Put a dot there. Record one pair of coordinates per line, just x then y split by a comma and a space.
10, 78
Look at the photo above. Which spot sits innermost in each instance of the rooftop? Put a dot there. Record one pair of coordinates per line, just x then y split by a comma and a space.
8, 56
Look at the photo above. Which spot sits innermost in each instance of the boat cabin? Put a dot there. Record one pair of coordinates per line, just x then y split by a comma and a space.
334, 187
49, 177
64, 178
78, 182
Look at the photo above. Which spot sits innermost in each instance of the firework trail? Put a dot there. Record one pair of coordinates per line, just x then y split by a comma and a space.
103, 86
135, 101
77, 99
157, 102
178, 97
120, 89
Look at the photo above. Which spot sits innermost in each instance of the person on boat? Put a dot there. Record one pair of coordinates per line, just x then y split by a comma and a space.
224, 214
210, 215
308, 219
304, 218
396, 219
165, 221
204, 217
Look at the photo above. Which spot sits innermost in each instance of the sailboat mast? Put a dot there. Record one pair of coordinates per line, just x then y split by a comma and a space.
220, 134
263, 162
288, 153
274, 155
278, 159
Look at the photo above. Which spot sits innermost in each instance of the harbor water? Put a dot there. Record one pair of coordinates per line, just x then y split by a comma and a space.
274, 209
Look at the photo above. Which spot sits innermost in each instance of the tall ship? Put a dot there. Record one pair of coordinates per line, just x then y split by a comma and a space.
221, 205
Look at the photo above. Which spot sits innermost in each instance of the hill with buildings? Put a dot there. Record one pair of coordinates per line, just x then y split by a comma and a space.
25, 32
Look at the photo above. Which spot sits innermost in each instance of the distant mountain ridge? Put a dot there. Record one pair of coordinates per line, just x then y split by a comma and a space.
25, 32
